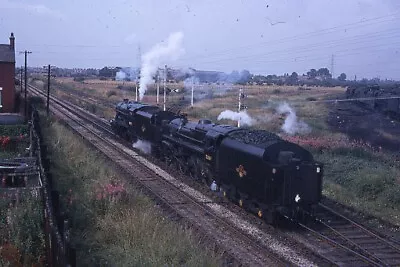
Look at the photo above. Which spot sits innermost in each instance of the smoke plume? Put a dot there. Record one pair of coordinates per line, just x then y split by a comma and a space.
292, 125
245, 118
160, 54
143, 146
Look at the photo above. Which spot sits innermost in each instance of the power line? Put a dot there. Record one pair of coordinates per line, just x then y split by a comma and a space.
313, 33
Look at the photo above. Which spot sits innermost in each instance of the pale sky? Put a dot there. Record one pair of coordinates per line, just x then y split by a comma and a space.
267, 37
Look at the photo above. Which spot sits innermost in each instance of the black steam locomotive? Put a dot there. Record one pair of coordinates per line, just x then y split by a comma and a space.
255, 168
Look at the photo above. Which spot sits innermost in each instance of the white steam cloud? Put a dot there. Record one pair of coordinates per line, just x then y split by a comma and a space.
245, 118
292, 125
160, 54
143, 146
120, 76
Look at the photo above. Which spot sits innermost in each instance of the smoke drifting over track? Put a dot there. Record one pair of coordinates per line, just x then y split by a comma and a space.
245, 118
292, 125
160, 54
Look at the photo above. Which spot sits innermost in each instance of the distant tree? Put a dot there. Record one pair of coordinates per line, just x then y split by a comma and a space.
292, 79
312, 74
108, 72
342, 77
323, 72
245, 76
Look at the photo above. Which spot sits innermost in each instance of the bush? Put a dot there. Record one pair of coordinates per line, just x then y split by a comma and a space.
111, 93
120, 87
276, 91
311, 98
103, 79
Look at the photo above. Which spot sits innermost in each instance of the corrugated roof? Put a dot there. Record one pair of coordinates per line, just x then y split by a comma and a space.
6, 54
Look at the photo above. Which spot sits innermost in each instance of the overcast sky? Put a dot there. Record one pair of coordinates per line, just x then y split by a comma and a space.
268, 37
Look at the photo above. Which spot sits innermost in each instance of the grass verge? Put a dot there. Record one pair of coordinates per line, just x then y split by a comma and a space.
112, 223
21, 232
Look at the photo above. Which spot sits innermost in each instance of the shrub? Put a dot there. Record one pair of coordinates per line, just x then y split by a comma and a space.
111, 93
276, 91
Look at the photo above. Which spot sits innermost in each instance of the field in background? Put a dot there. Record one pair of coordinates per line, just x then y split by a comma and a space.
356, 173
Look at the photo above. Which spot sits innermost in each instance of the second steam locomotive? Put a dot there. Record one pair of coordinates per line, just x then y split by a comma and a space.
255, 168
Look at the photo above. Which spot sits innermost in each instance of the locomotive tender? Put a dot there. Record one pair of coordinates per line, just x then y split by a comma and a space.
255, 168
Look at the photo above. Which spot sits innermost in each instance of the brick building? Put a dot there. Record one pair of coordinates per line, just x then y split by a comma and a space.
7, 76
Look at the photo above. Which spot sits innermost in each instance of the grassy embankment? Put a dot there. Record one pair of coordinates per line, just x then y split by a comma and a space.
112, 223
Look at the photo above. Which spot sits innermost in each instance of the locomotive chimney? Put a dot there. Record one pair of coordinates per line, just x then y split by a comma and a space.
12, 41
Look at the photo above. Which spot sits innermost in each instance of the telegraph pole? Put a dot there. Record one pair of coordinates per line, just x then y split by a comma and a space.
26, 80
191, 100
138, 75
333, 66
165, 86
22, 71
240, 106
136, 88
48, 90
158, 86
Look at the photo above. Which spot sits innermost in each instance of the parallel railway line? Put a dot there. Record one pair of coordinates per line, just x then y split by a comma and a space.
357, 245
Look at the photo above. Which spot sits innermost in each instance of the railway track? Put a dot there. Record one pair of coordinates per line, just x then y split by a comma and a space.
349, 244
247, 244
354, 244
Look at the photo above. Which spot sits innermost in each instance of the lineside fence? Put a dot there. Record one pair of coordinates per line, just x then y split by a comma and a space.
56, 225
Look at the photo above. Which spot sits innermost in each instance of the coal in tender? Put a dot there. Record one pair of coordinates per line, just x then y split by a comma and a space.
255, 137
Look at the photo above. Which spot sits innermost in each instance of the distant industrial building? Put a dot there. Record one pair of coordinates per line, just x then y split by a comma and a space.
7, 76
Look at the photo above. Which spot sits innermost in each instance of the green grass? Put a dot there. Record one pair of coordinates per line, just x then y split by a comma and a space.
125, 229
21, 232
362, 180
